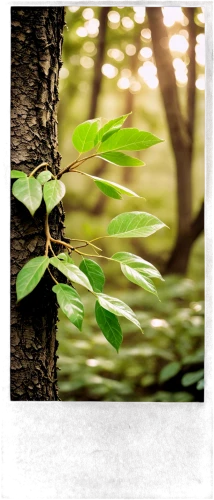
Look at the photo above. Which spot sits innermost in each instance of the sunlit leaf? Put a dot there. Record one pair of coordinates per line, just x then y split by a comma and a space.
29, 191
110, 128
169, 371
117, 307
94, 273
137, 278
134, 225
200, 385
121, 159
17, 174
53, 192
70, 303
84, 135
129, 139
142, 266
109, 325
44, 176
112, 189
30, 275
72, 272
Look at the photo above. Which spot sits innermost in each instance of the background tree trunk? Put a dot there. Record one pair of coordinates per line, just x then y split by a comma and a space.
181, 129
35, 62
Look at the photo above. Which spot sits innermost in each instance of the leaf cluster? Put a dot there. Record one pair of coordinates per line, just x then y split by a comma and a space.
108, 141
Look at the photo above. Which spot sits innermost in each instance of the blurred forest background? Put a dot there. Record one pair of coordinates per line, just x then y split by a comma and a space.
151, 62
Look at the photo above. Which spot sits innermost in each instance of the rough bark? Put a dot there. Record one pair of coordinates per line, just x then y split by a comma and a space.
35, 61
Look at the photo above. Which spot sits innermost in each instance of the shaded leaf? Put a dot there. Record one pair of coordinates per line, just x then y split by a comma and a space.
110, 128
129, 139
192, 377
72, 272
44, 176
121, 159
94, 273
30, 275
29, 191
169, 371
117, 307
53, 192
200, 385
134, 225
70, 303
84, 135
142, 266
17, 174
109, 325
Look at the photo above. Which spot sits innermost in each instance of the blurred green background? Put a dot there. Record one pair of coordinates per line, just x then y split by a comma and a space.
109, 70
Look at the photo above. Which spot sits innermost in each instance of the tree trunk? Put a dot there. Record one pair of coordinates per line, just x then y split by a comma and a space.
35, 62
181, 131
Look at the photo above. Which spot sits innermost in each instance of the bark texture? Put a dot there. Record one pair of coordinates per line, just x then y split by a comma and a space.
35, 61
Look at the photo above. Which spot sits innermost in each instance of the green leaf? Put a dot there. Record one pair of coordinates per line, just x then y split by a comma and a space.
65, 257
129, 139
112, 189
134, 225
44, 177
121, 159
29, 191
70, 303
200, 385
17, 174
110, 128
117, 307
142, 266
137, 278
94, 273
53, 192
191, 378
109, 325
84, 135
30, 275
169, 371
72, 272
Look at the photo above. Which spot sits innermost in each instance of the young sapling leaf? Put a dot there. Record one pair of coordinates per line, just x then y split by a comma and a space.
53, 192
70, 303
30, 275
134, 225
109, 325
29, 191
94, 273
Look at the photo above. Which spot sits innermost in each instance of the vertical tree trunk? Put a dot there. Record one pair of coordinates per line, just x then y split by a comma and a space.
181, 131
35, 61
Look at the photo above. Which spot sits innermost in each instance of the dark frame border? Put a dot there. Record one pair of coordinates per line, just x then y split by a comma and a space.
96, 450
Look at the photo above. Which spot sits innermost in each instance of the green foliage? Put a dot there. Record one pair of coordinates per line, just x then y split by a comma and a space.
134, 225
84, 135
121, 159
29, 191
70, 303
108, 139
146, 367
109, 325
53, 192
112, 189
17, 174
94, 273
30, 275
44, 177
